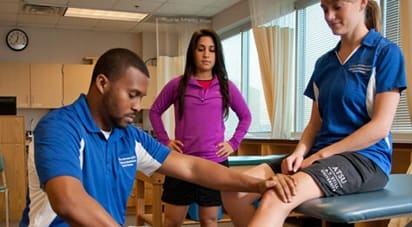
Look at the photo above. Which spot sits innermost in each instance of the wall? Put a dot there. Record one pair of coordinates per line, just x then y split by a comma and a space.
47, 45
66, 46
167, 44
31, 118
149, 47
232, 17
63, 46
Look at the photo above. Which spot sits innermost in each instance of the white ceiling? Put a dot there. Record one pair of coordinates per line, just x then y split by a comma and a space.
12, 13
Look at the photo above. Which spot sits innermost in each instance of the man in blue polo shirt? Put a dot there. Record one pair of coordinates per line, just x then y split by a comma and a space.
86, 154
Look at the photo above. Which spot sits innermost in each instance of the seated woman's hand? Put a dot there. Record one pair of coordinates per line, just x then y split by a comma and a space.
292, 163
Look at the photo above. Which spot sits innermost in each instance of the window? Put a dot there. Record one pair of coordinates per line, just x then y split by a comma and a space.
243, 69
391, 16
314, 39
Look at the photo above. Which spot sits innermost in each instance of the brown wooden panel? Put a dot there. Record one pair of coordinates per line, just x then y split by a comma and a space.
12, 130
15, 166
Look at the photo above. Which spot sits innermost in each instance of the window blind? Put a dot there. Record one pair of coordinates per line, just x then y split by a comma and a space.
391, 18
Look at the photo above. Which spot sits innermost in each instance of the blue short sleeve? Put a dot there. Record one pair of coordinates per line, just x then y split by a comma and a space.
390, 69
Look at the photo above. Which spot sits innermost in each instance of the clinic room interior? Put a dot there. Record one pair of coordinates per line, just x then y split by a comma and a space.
270, 48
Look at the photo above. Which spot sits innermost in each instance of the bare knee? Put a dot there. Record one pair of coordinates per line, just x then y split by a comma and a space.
171, 222
271, 201
174, 215
208, 221
208, 216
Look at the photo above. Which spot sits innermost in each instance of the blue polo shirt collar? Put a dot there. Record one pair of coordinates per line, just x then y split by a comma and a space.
371, 39
86, 117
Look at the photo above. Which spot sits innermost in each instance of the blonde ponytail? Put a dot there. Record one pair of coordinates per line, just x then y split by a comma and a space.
372, 16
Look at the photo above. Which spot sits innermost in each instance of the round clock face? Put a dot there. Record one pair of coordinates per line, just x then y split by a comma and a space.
17, 39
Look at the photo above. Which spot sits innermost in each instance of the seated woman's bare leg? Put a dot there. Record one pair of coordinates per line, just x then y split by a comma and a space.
240, 205
273, 212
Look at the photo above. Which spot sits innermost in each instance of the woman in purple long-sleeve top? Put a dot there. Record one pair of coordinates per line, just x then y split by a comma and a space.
201, 98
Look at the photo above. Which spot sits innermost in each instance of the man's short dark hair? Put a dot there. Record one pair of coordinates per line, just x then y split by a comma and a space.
115, 62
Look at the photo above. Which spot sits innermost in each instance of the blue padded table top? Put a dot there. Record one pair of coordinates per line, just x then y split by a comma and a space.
394, 200
243, 160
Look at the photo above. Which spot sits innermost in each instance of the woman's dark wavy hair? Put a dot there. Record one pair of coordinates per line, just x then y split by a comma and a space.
218, 69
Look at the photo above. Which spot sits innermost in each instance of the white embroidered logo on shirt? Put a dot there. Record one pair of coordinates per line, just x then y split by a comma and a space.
127, 161
360, 68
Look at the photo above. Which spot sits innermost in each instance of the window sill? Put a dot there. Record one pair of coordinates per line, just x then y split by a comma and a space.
398, 137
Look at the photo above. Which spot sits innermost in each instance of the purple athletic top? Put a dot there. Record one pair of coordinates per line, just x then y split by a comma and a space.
202, 125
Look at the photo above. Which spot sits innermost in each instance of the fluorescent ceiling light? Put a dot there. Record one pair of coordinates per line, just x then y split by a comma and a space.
104, 14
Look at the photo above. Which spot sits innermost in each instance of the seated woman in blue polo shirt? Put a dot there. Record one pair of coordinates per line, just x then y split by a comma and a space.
347, 145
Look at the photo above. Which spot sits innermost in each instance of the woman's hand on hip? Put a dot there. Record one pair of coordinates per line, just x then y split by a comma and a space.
224, 149
176, 145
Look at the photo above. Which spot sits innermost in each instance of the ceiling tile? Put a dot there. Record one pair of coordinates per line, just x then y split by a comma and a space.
179, 10
37, 19
93, 4
47, 2
191, 2
143, 6
106, 25
224, 4
207, 11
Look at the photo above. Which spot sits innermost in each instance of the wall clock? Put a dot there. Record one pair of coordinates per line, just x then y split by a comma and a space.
17, 39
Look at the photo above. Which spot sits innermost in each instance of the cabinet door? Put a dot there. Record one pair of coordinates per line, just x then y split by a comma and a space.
12, 146
76, 80
15, 166
15, 81
46, 85
12, 129
151, 90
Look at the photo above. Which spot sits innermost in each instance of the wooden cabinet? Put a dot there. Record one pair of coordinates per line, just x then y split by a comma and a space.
15, 81
46, 85
266, 146
53, 85
401, 157
34, 85
76, 80
12, 146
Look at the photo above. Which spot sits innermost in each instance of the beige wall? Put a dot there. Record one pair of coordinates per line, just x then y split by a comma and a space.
48, 45
232, 17
166, 48
66, 46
